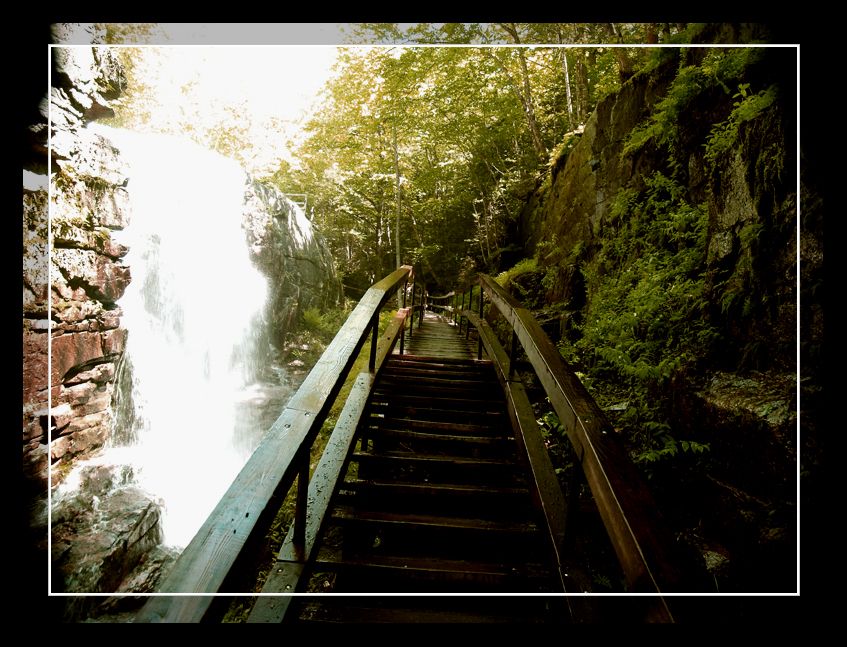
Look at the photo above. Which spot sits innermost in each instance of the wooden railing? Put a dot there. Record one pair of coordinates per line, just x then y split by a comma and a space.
211, 562
637, 532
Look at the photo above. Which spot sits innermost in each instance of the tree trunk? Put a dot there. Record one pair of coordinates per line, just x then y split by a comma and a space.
582, 93
397, 227
571, 123
420, 240
652, 35
526, 99
625, 66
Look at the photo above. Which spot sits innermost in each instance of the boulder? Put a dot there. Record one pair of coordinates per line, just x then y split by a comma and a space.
99, 546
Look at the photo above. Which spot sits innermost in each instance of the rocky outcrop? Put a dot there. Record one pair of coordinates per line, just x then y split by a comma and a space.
750, 190
86, 275
106, 536
296, 259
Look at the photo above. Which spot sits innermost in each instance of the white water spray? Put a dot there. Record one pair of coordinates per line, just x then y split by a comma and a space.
191, 310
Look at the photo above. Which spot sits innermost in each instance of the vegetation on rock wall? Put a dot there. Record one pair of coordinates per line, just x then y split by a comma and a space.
683, 290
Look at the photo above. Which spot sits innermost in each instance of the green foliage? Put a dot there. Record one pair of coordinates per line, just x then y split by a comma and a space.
563, 149
719, 66
748, 107
663, 124
645, 317
522, 267
312, 319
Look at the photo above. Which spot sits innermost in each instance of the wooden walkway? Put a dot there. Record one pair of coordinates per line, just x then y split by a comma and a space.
435, 480
435, 499
438, 337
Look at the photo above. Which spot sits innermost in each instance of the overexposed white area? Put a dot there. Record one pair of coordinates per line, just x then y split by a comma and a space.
267, 90
191, 311
34, 182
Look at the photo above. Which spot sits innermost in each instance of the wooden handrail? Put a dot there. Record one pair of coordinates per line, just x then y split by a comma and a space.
637, 532
209, 562
287, 574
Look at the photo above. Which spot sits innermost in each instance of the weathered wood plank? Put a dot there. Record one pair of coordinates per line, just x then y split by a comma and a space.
431, 436
452, 489
430, 459
436, 568
343, 514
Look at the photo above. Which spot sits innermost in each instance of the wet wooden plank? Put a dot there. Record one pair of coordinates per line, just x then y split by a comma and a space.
430, 459
435, 568
442, 437
451, 489
456, 428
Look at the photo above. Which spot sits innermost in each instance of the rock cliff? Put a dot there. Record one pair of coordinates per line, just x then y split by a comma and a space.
86, 276
294, 257
740, 170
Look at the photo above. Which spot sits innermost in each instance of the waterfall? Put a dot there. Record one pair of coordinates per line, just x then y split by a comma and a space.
193, 315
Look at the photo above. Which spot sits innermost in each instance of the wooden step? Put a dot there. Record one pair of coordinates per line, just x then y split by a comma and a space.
411, 609
429, 433
482, 417
408, 458
424, 369
437, 489
344, 514
429, 427
505, 502
415, 401
432, 568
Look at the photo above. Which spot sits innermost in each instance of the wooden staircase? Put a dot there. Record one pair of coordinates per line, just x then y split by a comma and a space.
435, 501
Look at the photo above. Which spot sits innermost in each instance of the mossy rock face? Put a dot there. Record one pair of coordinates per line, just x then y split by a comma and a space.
296, 259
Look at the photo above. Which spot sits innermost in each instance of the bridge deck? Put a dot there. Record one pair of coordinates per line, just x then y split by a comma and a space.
438, 337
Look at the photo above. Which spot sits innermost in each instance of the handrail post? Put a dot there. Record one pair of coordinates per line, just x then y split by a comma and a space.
460, 318
423, 306
403, 333
374, 337
512, 352
412, 319
468, 323
479, 336
300, 507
